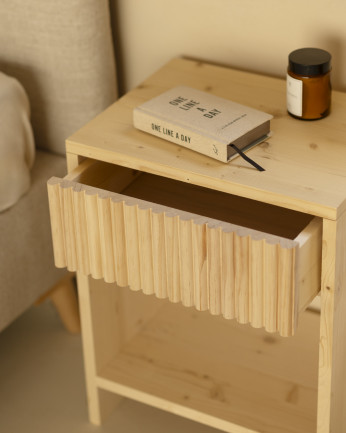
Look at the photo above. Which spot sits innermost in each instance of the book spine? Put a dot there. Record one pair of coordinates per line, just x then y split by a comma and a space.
179, 135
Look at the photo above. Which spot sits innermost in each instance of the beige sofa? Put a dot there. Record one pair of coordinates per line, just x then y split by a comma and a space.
62, 54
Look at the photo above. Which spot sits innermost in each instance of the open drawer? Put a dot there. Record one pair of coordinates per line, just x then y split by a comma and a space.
244, 259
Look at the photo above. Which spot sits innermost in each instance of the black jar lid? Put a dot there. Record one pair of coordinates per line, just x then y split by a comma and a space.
309, 61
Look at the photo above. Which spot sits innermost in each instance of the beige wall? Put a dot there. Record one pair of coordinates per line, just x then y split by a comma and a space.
254, 35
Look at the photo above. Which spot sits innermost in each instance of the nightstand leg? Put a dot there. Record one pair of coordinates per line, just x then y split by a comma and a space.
332, 361
97, 352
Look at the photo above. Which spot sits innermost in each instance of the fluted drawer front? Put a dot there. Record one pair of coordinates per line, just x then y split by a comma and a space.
240, 273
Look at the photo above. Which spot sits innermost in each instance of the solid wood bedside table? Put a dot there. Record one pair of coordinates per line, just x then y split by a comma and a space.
138, 212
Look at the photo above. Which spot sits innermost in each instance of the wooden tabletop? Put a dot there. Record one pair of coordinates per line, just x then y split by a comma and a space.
304, 161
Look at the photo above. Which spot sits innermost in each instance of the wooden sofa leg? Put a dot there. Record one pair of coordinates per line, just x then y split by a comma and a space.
64, 297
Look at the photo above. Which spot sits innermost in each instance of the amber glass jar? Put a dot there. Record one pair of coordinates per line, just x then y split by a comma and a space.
308, 83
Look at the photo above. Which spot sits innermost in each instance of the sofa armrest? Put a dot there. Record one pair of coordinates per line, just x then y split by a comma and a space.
17, 149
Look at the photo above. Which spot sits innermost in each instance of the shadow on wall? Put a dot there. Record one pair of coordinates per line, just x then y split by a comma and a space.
118, 50
335, 46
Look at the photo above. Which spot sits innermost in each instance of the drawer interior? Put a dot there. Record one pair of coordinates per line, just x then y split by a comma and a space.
187, 197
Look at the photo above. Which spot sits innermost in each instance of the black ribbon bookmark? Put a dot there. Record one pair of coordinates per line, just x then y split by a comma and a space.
249, 160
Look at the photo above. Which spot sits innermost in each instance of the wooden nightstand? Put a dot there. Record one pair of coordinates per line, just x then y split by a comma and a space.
216, 242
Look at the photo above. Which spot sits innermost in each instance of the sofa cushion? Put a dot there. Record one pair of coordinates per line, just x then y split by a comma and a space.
17, 149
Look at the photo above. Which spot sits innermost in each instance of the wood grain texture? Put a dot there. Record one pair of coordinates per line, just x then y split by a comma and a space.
257, 285
200, 266
332, 359
220, 373
305, 172
304, 162
93, 303
82, 246
214, 263
195, 260
187, 295
132, 247
173, 257
66, 200
57, 225
119, 243
228, 302
159, 255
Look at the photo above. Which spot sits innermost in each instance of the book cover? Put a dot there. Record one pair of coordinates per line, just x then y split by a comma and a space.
202, 122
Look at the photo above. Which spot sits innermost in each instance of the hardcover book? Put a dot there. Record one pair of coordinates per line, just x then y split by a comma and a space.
202, 122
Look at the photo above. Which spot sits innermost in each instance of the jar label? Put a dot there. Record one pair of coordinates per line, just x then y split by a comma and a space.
294, 96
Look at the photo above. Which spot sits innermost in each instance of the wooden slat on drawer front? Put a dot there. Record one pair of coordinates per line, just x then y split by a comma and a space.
287, 295
159, 255
69, 226
242, 272
187, 295
200, 265
256, 283
132, 246
198, 261
172, 257
106, 239
214, 251
56, 221
228, 272
94, 236
82, 247
119, 243
145, 246
271, 286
